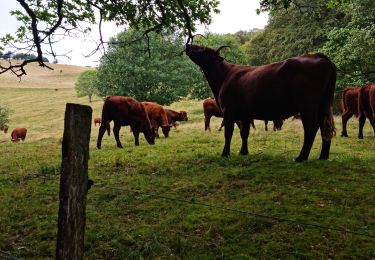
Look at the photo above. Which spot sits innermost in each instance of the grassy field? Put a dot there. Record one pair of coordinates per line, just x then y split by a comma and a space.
179, 199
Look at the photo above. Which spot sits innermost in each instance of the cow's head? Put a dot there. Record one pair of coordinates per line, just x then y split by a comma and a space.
149, 133
165, 129
183, 115
203, 56
278, 124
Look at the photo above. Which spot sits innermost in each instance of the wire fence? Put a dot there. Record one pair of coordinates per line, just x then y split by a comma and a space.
7, 255
193, 201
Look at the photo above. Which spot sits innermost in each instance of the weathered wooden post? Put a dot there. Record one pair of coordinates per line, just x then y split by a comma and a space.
73, 182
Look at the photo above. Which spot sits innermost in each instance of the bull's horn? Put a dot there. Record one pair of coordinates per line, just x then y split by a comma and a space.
222, 47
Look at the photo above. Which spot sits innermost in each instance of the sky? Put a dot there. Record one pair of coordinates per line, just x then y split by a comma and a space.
235, 15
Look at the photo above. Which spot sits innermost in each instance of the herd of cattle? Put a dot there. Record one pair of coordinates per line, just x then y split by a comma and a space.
302, 85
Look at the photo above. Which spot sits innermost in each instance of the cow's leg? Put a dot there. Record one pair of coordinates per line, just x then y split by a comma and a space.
102, 130
310, 127
116, 133
345, 117
245, 129
327, 131
221, 126
266, 125
207, 123
362, 120
252, 124
228, 132
136, 131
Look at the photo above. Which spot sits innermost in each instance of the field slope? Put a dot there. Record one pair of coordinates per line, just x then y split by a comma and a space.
178, 198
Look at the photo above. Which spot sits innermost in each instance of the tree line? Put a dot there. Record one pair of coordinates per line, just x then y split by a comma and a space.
345, 33
19, 56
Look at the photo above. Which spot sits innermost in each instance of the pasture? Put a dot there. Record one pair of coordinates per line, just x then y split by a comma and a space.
179, 199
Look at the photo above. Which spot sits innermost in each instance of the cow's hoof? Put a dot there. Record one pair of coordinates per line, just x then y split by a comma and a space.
226, 155
344, 135
244, 152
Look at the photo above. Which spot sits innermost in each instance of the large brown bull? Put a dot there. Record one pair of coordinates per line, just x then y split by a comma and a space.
158, 118
303, 84
125, 111
366, 107
348, 106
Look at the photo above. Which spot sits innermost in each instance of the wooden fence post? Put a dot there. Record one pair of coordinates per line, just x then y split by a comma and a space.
73, 182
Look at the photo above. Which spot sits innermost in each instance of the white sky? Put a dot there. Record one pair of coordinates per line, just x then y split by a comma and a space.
235, 15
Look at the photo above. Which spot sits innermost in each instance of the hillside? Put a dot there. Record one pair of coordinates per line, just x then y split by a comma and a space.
62, 76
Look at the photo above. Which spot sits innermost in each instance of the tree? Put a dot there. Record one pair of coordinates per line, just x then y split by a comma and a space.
352, 47
4, 115
86, 84
43, 22
163, 77
300, 29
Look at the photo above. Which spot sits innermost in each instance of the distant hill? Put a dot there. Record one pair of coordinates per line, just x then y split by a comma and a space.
62, 76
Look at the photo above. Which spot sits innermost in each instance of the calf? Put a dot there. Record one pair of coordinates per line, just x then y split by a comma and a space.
125, 111
303, 84
348, 106
174, 116
366, 107
18, 133
158, 118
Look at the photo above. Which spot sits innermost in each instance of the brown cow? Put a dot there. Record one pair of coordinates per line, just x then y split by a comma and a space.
125, 111
158, 118
210, 108
366, 107
4, 128
303, 84
277, 125
18, 133
348, 106
174, 116
97, 120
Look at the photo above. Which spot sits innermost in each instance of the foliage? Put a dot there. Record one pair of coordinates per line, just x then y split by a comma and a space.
293, 31
44, 22
4, 115
86, 84
161, 75
352, 47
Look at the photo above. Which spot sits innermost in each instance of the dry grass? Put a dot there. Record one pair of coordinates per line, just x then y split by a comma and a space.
62, 76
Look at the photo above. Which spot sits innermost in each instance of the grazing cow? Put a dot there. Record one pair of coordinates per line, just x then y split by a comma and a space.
277, 125
366, 107
97, 120
303, 84
174, 116
125, 111
158, 118
210, 108
348, 106
4, 128
18, 133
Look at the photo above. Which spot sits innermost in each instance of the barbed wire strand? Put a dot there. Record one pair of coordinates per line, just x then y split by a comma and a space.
253, 214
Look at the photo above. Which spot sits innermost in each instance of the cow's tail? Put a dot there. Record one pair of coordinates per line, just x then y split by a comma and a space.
106, 116
328, 125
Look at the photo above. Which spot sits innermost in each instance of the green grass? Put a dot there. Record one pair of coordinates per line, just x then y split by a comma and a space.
164, 217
